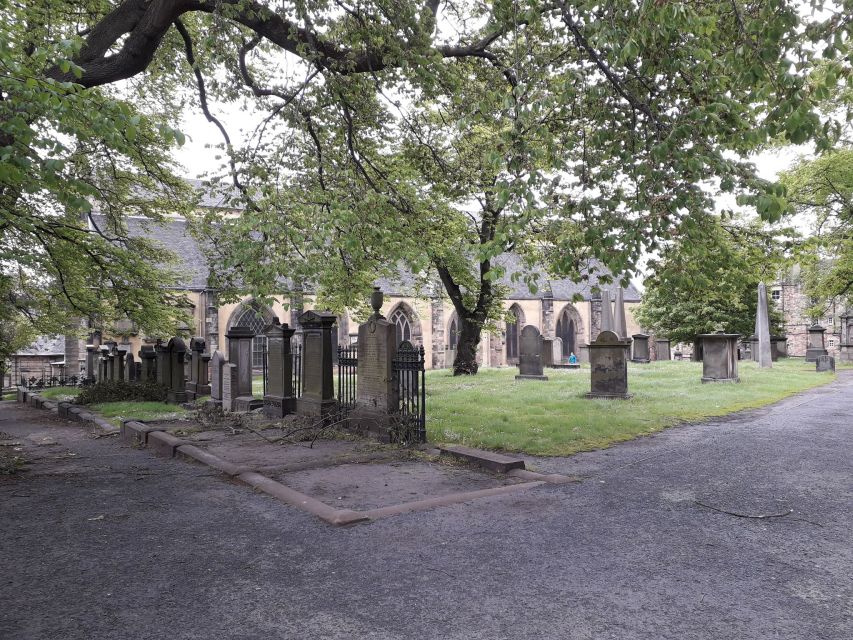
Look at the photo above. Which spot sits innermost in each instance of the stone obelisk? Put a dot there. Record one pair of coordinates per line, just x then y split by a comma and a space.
619, 315
762, 329
606, 311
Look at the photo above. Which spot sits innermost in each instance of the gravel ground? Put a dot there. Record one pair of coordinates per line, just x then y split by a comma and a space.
98, 540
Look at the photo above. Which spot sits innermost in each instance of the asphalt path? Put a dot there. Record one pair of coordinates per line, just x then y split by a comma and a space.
99, 540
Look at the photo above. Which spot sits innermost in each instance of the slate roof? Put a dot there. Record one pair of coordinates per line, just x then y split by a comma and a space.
44, 346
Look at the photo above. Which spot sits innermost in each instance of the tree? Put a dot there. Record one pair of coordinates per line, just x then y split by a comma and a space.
707, 281
594, 130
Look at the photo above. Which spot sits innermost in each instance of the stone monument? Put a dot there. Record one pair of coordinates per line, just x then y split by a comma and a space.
164, 364
762, 329
318, 393
557, 351
240, 354
177, 351
279, 400
530, 345
606, 311
148, 360
548, 352
619, 323
129, 368
846, 345
719, 362
815, 346
217, 364
825, 363
196, 353
230, 382
662, 349
778, 347
641, 348
608, 361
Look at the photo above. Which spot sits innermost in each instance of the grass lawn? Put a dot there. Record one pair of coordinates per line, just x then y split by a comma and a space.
59, 394
116, 411
492, 410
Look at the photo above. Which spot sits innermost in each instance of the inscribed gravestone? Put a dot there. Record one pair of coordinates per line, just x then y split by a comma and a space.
217, 363
279, 400
229, 386
641, 348
130, 368
557, 350
177, 351
719, 361
608, 359
240, 355
318, 397
825, 363
530, 355
662, 349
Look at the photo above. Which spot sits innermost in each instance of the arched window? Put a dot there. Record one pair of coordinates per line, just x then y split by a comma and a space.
254, 318
512, 326
404, 327
453, 334
566, 332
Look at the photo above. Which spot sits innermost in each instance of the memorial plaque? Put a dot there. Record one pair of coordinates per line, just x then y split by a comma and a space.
530, 366
608, 357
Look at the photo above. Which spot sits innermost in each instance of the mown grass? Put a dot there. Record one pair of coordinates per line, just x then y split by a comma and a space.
492, 410
59, 394
115, 412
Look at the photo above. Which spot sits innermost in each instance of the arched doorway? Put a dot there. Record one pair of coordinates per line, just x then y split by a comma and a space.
568, 330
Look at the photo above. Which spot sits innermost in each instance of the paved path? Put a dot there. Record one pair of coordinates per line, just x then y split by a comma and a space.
112, 543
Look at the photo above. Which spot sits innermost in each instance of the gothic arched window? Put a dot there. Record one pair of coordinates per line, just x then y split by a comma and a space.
253, 318
566, 333
512, 334
404, 328
453, 334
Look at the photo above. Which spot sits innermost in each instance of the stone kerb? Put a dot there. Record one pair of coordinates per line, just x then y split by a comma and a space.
177, 351
318, 397
719, 361
530, 361
279, 400
608, 357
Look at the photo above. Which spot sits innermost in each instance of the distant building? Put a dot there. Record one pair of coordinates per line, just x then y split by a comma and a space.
45, 358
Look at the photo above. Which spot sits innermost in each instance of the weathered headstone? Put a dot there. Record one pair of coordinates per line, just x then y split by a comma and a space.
196, 360
530, 347
130, 368
557, 351
240, 354
815, 346
177, 350
548, 352
606, 311
230, 382
608, 361
641, 348
619, 323
778, 347
279, 400
103, 364
719, 362
119, 364
148, 360
377, 394
217, 364
662, 349
91, 362
762, 329
318, 393
825, 363
164, 364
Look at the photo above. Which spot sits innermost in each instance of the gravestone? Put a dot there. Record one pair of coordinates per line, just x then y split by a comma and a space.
557, 351
148, 360
240, 354
318, 393
825, 363
762, 329
164, 364
217, 364
103, 364
230, 383
130, 368
608, 361
377, 394
279, 400
119, 364
91, 362
662, 349
177, 351
196, 361
719, 362
778, 347
606, 311
815, 346
641, 348
530, 346
548, 352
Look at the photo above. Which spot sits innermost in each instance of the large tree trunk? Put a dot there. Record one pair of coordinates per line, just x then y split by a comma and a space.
465, 362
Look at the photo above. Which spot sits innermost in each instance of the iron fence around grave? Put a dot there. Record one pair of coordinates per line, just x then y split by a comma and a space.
347, 376
410, 373
54, 381
296, 370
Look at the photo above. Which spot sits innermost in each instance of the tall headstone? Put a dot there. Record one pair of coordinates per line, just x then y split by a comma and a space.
815, 346
148, 360
230, 379
765, 359
608, 361
164, 365
196, 361
619, 322
240, 354
377, 394
91, 362
662, 349
177, 350
557, 351
606, 311
778, 347
641, 348
530, 347
279, 400
547, 352
318, 392
719, 357
103, 364
846, 346
119, 364
217, 364
129, 368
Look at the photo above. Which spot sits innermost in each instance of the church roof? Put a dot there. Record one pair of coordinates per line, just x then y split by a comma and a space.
44, 346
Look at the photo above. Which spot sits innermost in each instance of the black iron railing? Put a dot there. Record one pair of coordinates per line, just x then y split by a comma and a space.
409, 371
296, 359
53, 381
347, 376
